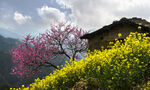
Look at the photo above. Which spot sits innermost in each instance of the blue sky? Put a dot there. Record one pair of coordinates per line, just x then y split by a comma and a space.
36, 16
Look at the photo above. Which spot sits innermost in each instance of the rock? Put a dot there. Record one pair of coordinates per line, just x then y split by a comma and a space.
87, 84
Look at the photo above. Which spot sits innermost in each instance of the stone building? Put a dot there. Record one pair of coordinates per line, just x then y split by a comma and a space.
109, 33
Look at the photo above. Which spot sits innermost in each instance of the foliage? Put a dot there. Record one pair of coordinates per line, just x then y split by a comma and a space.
37, 52
123, 67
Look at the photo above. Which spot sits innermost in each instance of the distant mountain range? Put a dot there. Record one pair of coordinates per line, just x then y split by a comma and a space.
5, 61
6, 79
7, 43
10, 34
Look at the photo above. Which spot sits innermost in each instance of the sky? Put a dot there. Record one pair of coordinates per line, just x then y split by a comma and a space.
36, 16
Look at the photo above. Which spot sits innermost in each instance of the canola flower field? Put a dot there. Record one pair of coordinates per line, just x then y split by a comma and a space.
126, 66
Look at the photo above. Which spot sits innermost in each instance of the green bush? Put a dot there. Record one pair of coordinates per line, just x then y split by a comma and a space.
125, 66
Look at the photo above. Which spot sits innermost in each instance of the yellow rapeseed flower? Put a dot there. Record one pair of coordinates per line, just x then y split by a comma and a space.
139, 27
119, 34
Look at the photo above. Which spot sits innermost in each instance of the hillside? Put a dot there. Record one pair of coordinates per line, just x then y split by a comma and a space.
7, 43
125, 66
5, 59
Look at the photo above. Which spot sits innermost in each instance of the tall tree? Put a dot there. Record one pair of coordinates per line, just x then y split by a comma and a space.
37, 52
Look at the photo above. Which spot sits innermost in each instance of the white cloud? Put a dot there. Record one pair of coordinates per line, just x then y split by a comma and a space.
6, 20
64, 3
88, 14
25, 24
50, 15
20, 19
91, 14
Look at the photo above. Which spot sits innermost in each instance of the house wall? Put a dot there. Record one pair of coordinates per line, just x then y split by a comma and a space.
104, 39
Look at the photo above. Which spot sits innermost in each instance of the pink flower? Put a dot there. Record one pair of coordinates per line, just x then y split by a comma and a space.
35, 52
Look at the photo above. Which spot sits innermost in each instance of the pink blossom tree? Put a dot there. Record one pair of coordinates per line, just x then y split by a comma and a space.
37, 52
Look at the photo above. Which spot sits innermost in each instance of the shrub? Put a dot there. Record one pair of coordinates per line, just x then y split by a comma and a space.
124, 66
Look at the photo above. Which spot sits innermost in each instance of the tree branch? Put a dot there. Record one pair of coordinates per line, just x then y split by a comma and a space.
52, 65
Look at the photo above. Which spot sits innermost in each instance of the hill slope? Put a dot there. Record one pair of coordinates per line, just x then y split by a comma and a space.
126, 66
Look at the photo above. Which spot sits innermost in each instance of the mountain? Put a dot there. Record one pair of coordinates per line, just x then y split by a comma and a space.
10, 34
6, 79
5, 61
7, 43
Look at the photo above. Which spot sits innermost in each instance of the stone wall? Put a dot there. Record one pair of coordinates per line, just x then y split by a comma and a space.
104, 39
